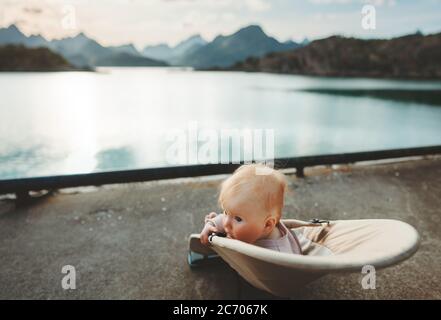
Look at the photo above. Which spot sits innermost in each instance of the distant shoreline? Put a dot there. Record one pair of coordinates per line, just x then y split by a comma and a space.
336, 76
47, 70
330, 76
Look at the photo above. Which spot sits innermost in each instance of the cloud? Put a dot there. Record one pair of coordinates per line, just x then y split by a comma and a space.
380, 3
258, 5
35, 17
324, 16
32, 10
330, 1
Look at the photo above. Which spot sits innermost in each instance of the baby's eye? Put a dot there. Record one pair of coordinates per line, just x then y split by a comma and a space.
238, 219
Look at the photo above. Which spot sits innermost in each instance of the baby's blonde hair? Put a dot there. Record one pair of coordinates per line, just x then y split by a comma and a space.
269, 184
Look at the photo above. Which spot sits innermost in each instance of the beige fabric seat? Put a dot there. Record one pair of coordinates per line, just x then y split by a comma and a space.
340, 246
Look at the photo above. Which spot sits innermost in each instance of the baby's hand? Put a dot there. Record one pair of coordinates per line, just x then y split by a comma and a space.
208, 229
210, 216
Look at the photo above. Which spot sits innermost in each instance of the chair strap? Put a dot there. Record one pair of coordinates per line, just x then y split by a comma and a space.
315, 220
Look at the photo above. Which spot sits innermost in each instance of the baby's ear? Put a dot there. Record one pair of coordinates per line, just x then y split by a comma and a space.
270, 223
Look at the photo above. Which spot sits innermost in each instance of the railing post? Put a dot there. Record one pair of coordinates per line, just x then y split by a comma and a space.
22, 197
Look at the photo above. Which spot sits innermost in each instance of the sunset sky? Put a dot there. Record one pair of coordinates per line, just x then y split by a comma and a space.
142, 22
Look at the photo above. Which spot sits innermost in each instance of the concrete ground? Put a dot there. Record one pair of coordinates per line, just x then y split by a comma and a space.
129, 241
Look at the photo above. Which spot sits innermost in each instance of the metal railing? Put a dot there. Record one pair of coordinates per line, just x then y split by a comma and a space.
21, 187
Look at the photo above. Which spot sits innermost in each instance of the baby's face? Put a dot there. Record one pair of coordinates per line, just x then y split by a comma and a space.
245, 219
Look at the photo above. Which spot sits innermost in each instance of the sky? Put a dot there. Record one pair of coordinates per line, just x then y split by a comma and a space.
147, 22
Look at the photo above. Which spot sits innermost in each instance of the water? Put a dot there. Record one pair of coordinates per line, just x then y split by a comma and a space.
121, 118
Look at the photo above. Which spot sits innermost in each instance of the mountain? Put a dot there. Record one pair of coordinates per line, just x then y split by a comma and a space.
71, 44
161, 52
127, 48
305, 42
412, 56
191, 44
12, 35
224, 51
81, 50
17, 57
173, 54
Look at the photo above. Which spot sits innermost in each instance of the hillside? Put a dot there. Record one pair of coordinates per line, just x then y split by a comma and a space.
20, 58
412, 56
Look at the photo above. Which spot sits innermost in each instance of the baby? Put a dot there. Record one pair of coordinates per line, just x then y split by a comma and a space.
252, 203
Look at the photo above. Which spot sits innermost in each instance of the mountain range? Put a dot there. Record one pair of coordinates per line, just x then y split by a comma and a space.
223, 51
414, 56
80, 51
195, 52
